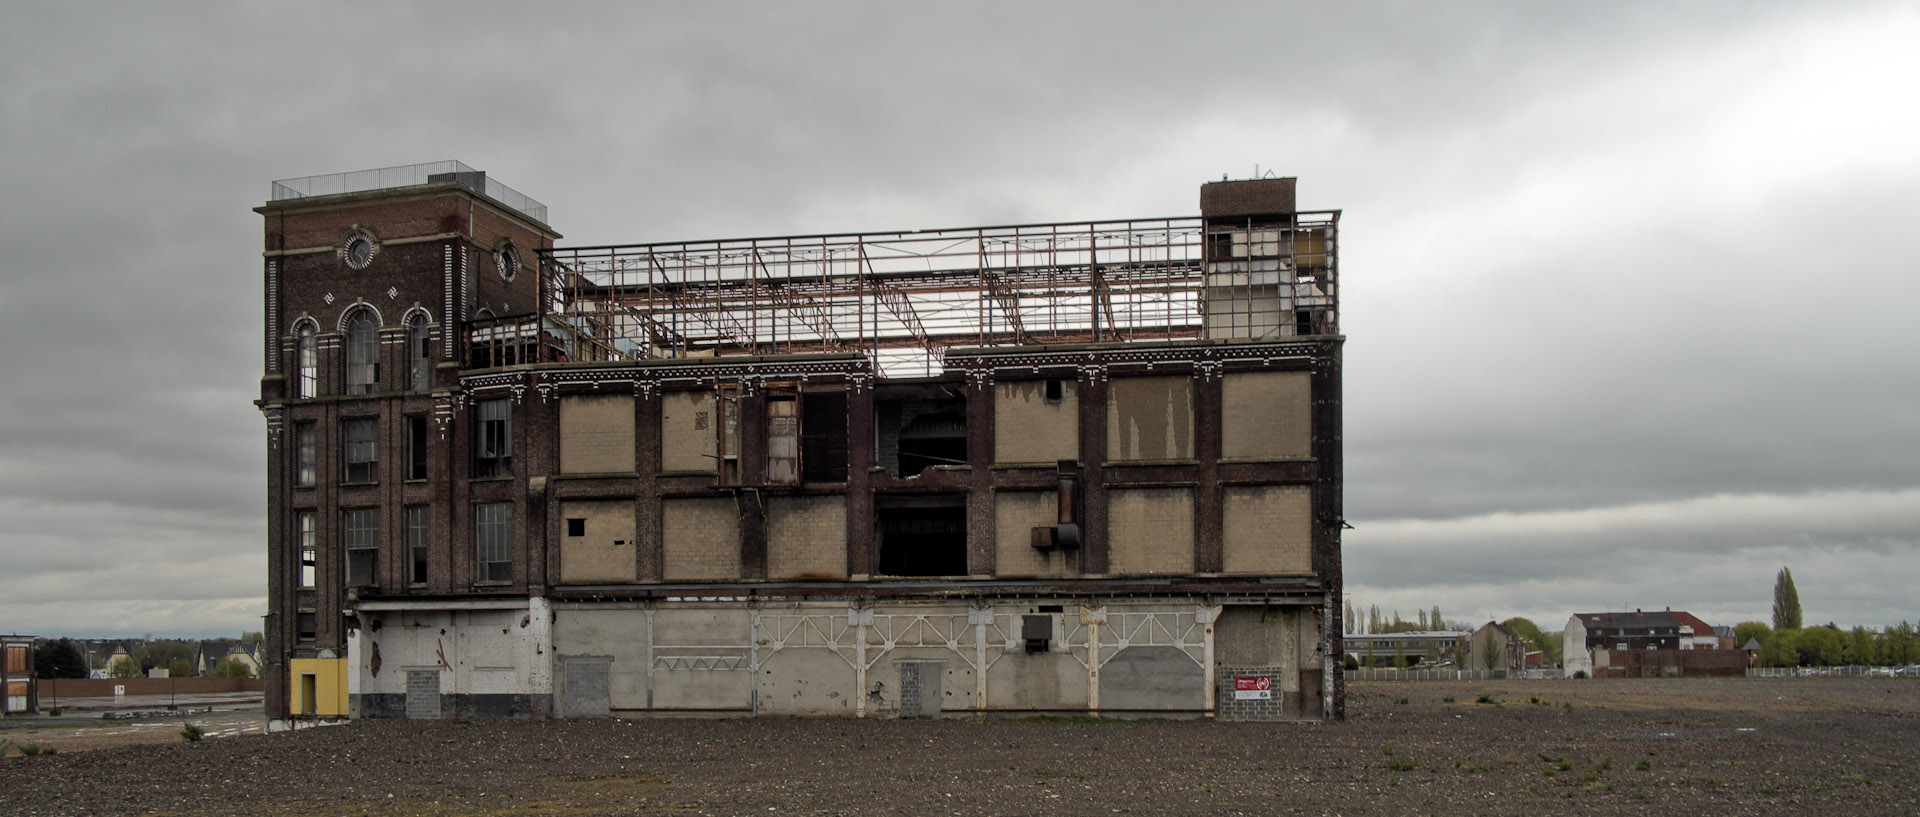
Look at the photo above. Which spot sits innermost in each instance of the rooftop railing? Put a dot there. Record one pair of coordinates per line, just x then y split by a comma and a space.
407, 176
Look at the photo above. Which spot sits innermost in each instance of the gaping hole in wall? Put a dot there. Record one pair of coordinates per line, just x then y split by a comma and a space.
823, 436
921, 535
919, 426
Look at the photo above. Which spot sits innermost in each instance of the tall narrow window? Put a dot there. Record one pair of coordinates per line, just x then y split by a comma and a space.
306, 353
416, 447
419, 352
361, 451
303, 455
492, 439
360, 539
303, 533
417, 544
363, 352
493, 541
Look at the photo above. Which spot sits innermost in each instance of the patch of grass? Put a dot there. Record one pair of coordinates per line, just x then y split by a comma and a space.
191, 733
1448, 699
1639, 794
1549, 773
1402, 764
30, 750
1044, 771
1592, 777
1535, 700
1387, 750
1768, 790
1479, 768
1857, 778
1569, 706
1606, 763
1485, 699
1401, 702
1643, 766
1082, 775
1598, 786
1716, 782
1550, 758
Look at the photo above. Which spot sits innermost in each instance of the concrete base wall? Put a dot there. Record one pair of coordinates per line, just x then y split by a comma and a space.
888, 659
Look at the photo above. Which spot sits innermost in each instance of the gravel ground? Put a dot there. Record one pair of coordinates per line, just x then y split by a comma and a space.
1694, 746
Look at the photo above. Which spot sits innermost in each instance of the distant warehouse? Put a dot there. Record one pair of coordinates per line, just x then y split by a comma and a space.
1086, 466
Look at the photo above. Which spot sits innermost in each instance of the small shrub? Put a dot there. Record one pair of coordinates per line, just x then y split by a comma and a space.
1403, 764
191, 733
1857, 778
1386, 750
1549, 773
1448, 699
1606, 763
1485, 699
1043, 771
1535, 700
1579, 673
1643, 766
1598, 786
1401, 702
30, 750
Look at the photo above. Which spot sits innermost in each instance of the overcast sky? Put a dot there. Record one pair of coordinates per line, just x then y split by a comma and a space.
1630, 289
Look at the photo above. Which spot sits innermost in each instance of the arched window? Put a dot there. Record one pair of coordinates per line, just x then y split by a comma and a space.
419, 351
363, 351
306, 356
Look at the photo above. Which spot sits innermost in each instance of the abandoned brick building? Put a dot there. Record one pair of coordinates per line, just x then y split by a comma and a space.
1078, 467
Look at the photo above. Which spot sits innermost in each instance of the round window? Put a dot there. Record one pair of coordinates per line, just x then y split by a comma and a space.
507, 261
359, 250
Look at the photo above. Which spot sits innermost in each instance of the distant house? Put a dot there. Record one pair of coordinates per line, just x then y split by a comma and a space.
16, 675
1594, 640
1493, 647
1413, 648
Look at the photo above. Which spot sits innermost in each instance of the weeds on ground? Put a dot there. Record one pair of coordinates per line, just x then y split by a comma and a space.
191, 733
1857, 778
1402, 764
1486, 699
1448, 699
1044, 771
30, 749
1643, 766
1401, 702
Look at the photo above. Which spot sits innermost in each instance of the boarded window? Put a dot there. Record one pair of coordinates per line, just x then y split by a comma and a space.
688, 439
783, 442
596, 434
16, 658
1150, 418
1266, 415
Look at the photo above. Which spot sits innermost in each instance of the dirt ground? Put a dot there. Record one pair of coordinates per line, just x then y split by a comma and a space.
1684, 746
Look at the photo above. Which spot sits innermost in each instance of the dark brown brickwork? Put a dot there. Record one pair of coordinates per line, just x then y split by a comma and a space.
422, 230
1252, 197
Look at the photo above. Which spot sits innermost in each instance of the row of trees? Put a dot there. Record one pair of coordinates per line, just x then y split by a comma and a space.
1825, 645
1375, 623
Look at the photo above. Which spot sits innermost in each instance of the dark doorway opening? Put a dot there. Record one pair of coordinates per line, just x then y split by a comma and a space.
921, 535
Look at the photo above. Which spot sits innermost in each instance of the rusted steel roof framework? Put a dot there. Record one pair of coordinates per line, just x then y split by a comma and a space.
901, 297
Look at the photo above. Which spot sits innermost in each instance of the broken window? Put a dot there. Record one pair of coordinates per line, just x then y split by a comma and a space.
306, 353
306, 627
361, 450
416, 447
359, 538
419, 352
823, 436
303, 538
921, 535
493, 541
492, 439
417, 544
920, 426
363, 351
303, 455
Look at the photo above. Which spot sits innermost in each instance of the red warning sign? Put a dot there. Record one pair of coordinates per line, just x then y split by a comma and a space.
1253, 687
